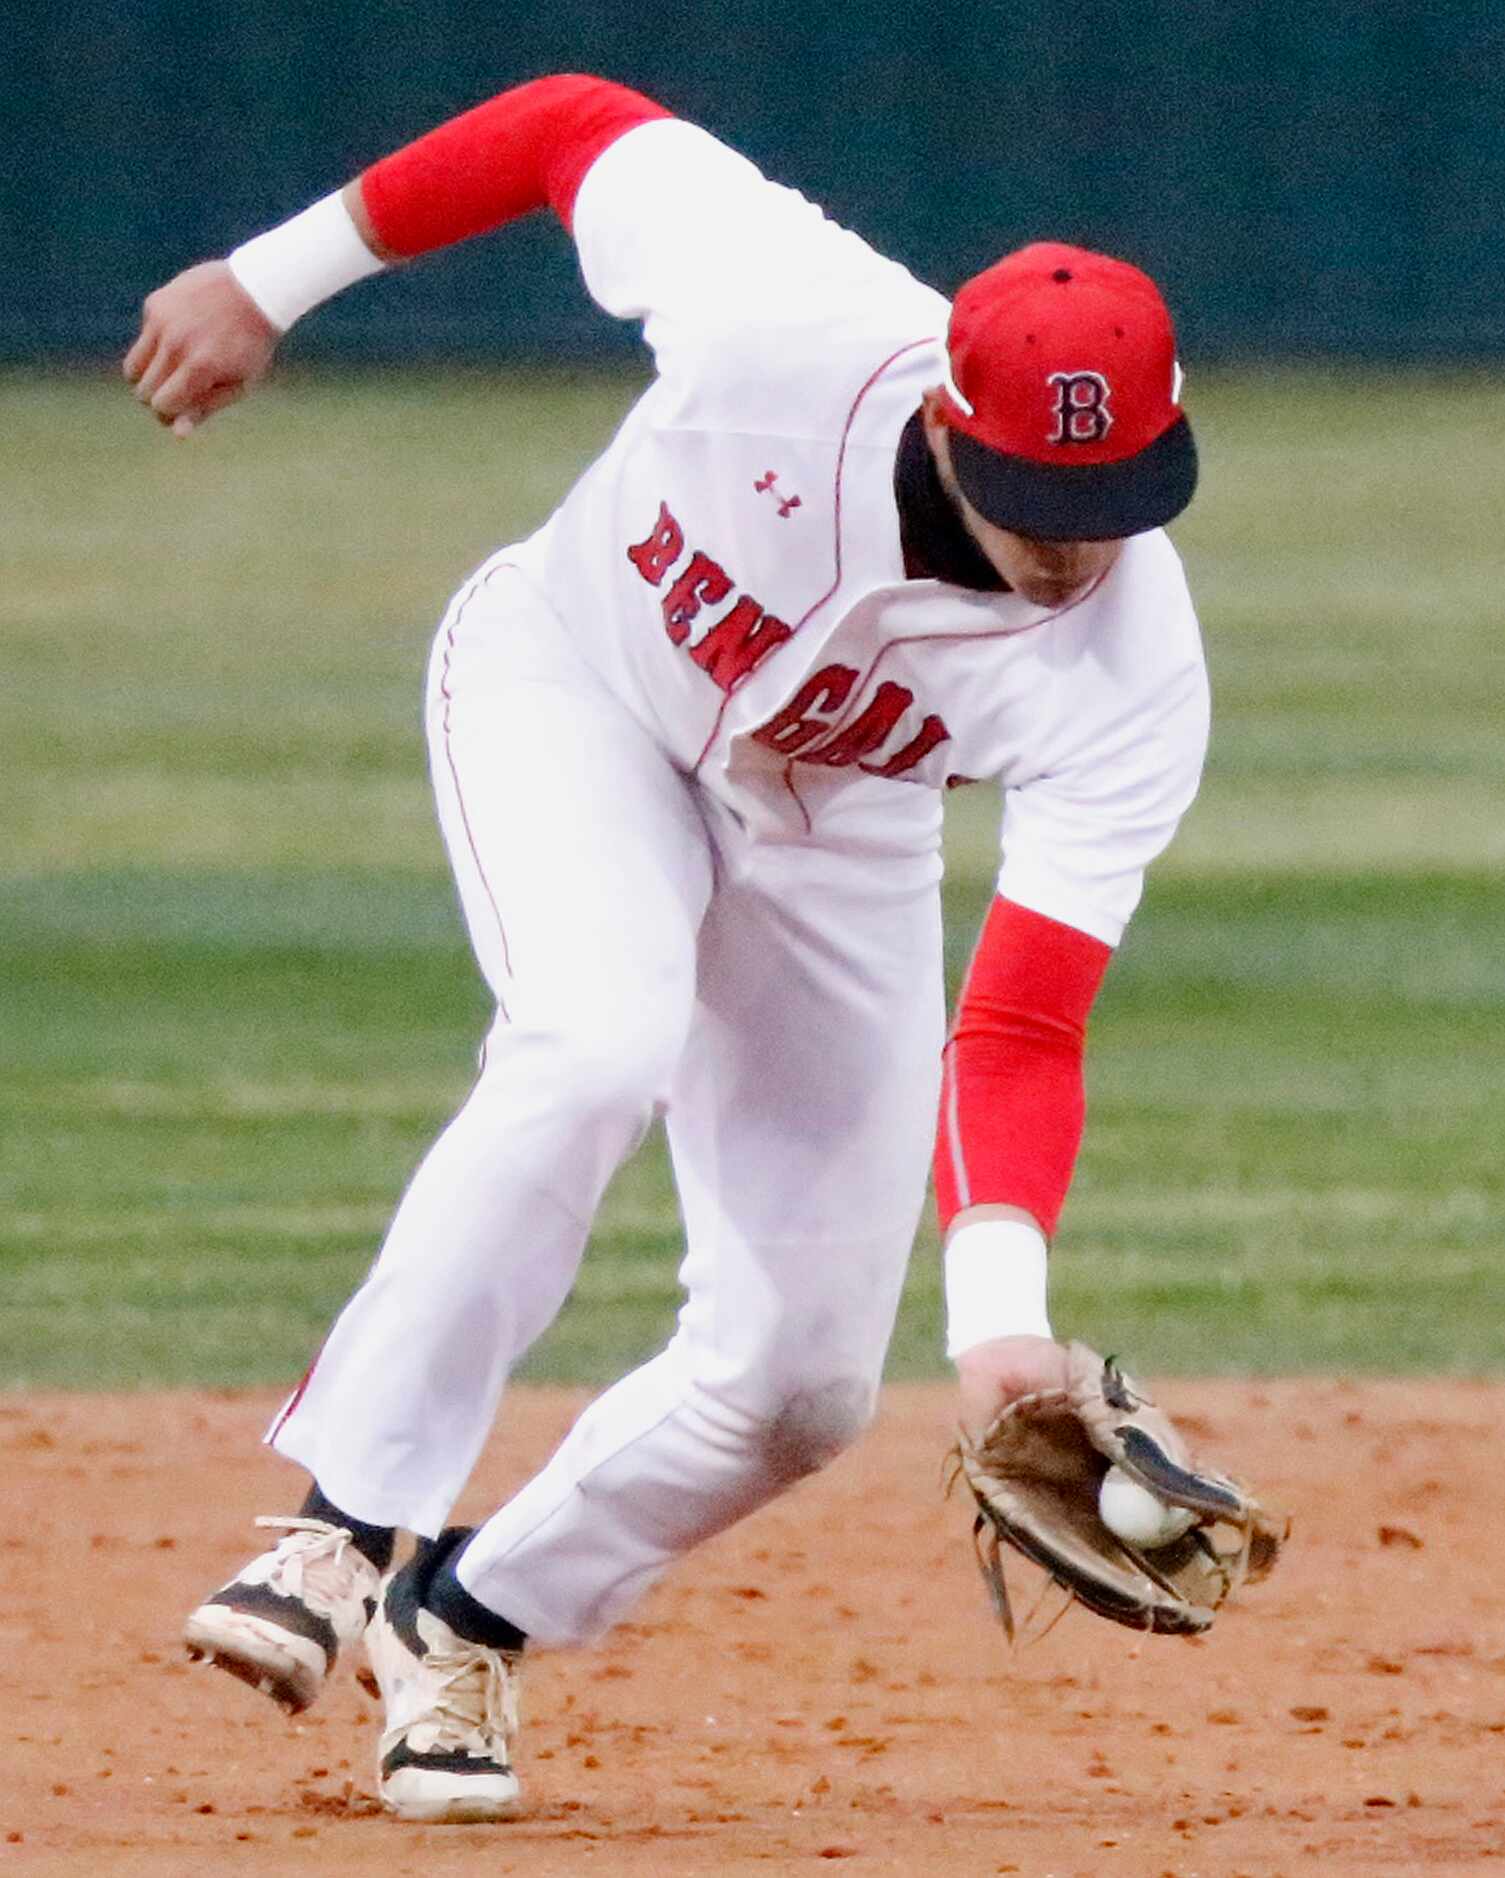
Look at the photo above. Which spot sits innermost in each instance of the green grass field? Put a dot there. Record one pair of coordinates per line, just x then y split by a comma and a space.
237, 1003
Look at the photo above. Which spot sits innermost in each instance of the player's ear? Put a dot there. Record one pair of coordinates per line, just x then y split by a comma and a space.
931, 414
932, 408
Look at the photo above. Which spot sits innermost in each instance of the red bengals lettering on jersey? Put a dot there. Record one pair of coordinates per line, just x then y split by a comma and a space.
737, 643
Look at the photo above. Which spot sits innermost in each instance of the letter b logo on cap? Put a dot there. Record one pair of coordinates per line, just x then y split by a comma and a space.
1081, 407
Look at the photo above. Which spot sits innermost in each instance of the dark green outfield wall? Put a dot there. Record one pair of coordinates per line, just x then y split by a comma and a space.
1326, 178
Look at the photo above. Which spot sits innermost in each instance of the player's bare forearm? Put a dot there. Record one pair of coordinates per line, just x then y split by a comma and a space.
203, 343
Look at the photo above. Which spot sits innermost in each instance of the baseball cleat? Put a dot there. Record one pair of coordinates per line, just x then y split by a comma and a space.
445, 1757
279, 1623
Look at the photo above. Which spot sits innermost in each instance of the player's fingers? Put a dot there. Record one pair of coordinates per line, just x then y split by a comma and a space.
159, 368
185, 423
218, 396
174, 392
136, 360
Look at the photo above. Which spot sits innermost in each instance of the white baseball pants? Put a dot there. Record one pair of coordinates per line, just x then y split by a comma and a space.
780, 1004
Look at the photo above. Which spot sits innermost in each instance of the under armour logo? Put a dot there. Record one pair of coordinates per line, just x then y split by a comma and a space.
1081, 409
765, 487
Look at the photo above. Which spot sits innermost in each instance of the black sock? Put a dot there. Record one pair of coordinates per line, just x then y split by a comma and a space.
374, 1543
447, 1598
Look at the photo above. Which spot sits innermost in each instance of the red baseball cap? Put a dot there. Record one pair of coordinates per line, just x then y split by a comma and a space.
1062, 398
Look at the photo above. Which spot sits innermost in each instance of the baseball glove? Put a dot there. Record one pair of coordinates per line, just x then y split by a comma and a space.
1035, 1474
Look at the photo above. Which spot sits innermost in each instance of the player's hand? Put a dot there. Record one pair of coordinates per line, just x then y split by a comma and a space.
203, 343
998, 1372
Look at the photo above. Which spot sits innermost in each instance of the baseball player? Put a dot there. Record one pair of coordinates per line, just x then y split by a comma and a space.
688, 741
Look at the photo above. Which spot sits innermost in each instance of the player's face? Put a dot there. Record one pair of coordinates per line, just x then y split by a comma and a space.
1046, 573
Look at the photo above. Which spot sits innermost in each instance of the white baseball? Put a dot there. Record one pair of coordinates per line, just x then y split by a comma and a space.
1133, 1514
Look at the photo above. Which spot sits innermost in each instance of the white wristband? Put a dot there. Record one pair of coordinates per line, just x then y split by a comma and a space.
292, 268
995, 1283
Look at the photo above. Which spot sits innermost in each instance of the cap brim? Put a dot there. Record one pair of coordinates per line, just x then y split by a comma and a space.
1079, 501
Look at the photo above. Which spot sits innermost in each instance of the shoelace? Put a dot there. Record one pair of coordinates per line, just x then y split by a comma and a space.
476, 1706
311, 1544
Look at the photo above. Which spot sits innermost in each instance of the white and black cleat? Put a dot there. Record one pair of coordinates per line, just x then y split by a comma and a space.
279, 1623
445, 1756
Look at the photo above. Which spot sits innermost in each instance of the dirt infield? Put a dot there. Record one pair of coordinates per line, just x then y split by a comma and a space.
824, 1684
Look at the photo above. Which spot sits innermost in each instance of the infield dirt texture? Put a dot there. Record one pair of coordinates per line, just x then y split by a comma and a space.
235, 1005
823, 1684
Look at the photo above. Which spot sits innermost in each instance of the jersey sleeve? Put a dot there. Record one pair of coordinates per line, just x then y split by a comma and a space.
673, 228
1122, 718
1078, 838
684, 234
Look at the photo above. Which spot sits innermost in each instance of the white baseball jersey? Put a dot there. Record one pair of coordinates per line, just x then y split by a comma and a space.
723, 595
731, 564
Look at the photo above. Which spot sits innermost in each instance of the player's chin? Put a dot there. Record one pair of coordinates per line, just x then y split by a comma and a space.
1050, 593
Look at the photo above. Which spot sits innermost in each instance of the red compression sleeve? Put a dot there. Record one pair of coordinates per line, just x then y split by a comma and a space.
527, 147
1012, 1102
